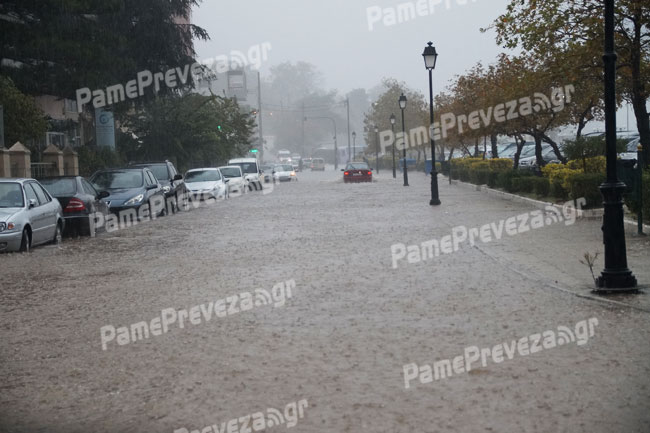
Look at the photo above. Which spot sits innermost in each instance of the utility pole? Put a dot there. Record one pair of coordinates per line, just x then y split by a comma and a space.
303, 129
347, 103
259, 103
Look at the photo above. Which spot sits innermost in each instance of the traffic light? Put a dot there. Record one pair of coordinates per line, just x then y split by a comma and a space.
253, 150
219, 127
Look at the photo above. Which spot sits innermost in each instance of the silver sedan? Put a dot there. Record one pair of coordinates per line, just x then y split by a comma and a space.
29, 215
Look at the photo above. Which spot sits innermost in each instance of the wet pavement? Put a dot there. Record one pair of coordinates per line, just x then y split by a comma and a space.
341, 340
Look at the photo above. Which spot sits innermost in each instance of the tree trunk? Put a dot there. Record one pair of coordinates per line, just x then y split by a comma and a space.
520, 145
640, 94
555, 147
538, 150
476, 148
495, 149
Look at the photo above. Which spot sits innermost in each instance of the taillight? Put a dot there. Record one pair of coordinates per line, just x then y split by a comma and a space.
369, 173
75, 205
347, 173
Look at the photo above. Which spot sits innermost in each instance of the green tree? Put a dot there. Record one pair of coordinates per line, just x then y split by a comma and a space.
545, 28
23, 120
194, 129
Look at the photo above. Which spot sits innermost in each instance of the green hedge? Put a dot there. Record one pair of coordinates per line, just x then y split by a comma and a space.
542, 187
587, 185
632, 202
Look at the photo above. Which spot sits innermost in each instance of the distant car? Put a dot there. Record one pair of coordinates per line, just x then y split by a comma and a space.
168, 177
208, 182
234, 179
80, 202
630, 150
251, 170
317, 164
29, 215
267, 170
528, 159
306, 162
129, 189
284, 173
357, 172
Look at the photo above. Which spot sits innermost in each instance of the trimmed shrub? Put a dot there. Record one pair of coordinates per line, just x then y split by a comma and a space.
463, 174
587, 185
557, 190
500, 164
597, 164
479, 177
526, 184
632, 202
542, 187
493, 179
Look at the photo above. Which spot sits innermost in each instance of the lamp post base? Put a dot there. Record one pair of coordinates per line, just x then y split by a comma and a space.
616, 276
435, 199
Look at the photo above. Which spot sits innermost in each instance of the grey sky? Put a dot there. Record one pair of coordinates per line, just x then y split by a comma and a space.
334, 36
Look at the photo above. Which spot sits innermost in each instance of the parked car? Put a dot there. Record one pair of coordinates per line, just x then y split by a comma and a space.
29, 215
235, 179
317, 164
129, 188
357, 172
171, 181
267, 170
306, 162
631, 150
208, 182
80, 202
529, 159
251, 170
284, 173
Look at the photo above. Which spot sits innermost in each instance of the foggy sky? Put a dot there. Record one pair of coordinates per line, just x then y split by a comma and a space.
334, 36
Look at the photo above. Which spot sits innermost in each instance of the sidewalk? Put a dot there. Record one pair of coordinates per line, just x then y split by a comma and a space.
552, 255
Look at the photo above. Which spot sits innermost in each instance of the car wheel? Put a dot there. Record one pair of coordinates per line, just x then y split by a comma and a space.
25, 242
88, 229
58, 235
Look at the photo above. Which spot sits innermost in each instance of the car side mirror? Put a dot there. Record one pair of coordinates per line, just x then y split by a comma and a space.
226, 180
178, 177
342, 169
150, 187
103, 194
32, 203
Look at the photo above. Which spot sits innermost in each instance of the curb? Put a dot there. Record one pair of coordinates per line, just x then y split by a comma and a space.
588, 214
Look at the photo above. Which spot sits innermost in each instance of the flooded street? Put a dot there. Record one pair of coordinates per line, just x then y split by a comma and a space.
343, 337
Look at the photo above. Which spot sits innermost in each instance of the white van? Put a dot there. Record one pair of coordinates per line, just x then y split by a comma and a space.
251, 170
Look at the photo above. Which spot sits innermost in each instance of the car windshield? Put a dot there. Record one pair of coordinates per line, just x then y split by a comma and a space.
11, 195
358, 166
230, 172
284, 168
202, 176
247, 167
64, 187
160, 171
105, 180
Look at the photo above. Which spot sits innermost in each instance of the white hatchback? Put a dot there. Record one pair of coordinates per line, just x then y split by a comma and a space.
234, 178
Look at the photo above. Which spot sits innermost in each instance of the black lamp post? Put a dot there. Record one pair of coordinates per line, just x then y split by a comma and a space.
392, 128
402, 106
616, 276
430, 58
377, 148
354, 145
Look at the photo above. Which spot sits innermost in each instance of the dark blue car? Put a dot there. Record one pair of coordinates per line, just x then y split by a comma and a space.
130, 189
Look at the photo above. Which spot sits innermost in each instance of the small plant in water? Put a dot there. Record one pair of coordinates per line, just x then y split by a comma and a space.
590, 261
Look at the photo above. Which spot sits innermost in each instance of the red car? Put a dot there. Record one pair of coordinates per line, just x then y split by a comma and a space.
357, 172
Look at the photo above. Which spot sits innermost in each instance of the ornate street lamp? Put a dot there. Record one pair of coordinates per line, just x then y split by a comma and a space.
392, 128
616, 276
402, 106
430, 59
